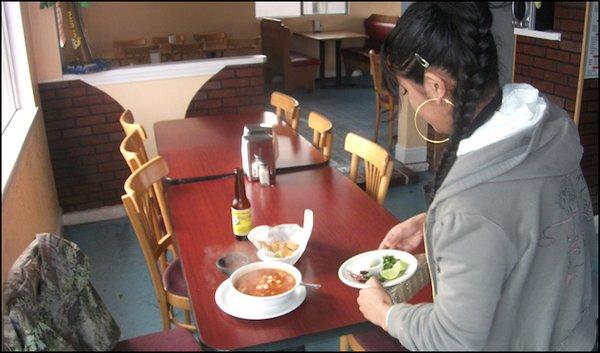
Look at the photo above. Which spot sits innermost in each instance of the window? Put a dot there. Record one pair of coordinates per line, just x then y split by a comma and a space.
299, 8
18, 103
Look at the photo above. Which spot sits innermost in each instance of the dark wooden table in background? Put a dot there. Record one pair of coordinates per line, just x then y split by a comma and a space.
346, 222
210, 146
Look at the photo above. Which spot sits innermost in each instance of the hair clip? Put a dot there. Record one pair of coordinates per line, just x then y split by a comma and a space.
422, 61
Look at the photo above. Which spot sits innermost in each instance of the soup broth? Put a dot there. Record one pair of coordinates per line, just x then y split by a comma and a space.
265, 282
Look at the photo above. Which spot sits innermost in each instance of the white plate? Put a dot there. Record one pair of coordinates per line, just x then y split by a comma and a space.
225, 301
402, 255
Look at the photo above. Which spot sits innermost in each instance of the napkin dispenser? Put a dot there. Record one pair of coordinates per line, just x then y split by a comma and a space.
257, 140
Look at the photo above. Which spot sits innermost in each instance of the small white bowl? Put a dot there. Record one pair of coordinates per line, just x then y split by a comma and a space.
373, 265
267, 300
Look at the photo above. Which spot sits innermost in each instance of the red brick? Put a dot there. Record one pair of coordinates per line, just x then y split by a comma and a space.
47, 95
251, 109
208, 104
71, 92
107, 128
75, 112
552, 44
590, 94
236, 102
555, 77
90, 205
53, 85
200, 95
568, 69
93, 90
80, 151
544, 64
99, 177
524, 39
111, 166
574, 58
257, 81
116, 136
90, 120
564, 91
221, 93
258, 100
225, 73
79, 131
570, 46
106, 108
60, 124
77, 83
211, 85
116, 201
104, 195
559, 101
61, 173
109, 147
237, 82
249, 72
568, 13
588, 117
563, 24
543, 86
121, 176
534, 50
93, 140
57, 104
116, 185
73, 200
108, 99
223, 111
573, 81
53, 135
577, 37
250, 91
88, 100
558, 55
533, 72
96, 158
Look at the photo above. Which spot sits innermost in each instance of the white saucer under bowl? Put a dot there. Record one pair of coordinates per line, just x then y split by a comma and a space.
227, 302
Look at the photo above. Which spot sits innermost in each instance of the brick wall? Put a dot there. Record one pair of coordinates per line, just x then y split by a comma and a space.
553, 68
235, 89
84, 132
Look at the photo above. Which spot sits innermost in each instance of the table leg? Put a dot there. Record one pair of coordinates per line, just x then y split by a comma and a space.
338, 63
322, 58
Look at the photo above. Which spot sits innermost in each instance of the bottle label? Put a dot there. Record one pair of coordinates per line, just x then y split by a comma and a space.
241, 221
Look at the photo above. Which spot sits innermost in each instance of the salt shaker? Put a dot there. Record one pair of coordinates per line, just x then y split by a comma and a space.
263, 173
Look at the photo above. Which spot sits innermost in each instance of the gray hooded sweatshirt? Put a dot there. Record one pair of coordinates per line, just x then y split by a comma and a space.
507, 239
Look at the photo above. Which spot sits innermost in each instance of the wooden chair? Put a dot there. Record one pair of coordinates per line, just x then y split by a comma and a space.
133, 150
288, 109
137, 55
385, 102
214, 43
378, 165
144, 200
129, 124
322, 133
179, 38
297, 69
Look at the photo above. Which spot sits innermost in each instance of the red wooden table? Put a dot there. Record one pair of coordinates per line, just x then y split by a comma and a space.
206, 147
346, 222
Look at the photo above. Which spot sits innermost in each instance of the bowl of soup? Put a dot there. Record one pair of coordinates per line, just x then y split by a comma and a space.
265, 283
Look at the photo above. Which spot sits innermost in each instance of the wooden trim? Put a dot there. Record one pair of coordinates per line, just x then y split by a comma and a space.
584, 45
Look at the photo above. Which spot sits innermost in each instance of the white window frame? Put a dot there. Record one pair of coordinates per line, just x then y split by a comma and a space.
17, 130
300, 9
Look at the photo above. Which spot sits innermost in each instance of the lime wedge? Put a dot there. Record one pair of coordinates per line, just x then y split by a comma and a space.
394, 271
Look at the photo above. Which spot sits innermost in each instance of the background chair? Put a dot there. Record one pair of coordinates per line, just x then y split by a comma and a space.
378, 165
179, 38
133, 150
144, 201
51, 305
246, 46
287, 109
385, 102
129, 125
322, 133
137, 55
120, 45
297, 69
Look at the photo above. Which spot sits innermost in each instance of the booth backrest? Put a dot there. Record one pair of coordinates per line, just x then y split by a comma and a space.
275, 43
378, 27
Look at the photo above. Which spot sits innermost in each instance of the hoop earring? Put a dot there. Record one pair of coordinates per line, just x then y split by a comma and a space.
417, 112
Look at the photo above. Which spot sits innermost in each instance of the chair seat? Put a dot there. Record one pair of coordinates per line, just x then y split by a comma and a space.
173, 279
376, 339
299, 59
177, 339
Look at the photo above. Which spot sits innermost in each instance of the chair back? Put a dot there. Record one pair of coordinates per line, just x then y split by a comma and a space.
120, 44
137, 55
322, 133
377, 28
211, 39
378, 165
244, 46
375, 70
129, 125
133, 150
287, 108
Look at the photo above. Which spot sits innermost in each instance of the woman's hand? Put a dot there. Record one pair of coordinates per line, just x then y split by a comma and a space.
405, 236
374, 302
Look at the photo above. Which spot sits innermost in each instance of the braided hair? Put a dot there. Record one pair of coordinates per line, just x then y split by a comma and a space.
456, 38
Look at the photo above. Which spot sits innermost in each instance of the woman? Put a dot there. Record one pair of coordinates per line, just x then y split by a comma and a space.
509, 220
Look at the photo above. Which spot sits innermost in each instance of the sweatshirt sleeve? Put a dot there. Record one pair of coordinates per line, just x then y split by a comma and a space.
473, 256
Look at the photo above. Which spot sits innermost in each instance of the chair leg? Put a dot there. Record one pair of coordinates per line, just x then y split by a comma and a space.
344, 346
186, 317
377, 119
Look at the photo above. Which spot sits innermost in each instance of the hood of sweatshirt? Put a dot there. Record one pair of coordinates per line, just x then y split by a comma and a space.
526, 130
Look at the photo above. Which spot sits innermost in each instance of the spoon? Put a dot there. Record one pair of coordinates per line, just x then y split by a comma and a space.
310, 285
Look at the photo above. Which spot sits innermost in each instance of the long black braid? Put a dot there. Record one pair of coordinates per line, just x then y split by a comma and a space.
456, 38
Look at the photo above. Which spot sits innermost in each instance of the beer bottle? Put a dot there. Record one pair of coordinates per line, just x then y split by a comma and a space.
241, 212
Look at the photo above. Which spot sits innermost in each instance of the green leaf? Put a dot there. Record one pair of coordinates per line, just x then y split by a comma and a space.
84, 4
47, 4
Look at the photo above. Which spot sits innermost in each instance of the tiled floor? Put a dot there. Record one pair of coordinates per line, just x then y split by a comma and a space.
118, 268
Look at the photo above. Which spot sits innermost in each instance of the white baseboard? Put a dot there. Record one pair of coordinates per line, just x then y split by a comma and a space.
94, 215
411, 155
